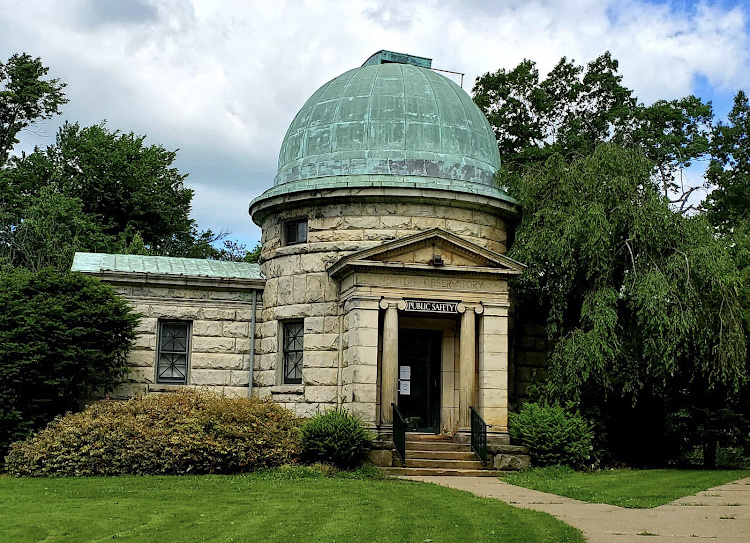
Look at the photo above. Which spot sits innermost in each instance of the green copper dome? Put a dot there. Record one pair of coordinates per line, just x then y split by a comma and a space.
393, 116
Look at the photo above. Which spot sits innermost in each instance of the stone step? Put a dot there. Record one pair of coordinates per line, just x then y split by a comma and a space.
436, 446
442, 472
442, 455
428, 437
443, 463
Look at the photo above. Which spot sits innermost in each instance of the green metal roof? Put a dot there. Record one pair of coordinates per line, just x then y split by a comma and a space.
389, 118
163, 265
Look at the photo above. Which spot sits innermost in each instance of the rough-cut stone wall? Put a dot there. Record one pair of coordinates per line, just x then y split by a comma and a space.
298, 286
220, 337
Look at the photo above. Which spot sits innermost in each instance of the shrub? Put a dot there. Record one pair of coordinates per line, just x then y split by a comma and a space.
173, 433
335, 436
553, 435
63, 337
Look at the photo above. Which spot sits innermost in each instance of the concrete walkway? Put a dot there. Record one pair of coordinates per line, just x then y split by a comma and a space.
720, 514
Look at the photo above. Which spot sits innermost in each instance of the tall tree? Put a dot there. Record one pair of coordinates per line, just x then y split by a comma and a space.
574, 109
25, 98
728, 205
640, 303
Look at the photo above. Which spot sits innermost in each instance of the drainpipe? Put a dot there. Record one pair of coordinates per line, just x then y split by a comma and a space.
252, 344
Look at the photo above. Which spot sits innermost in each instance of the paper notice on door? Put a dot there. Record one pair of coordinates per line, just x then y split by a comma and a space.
404, 373
404, 388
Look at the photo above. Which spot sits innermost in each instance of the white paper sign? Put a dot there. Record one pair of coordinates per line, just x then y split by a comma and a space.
404, 388
404, 372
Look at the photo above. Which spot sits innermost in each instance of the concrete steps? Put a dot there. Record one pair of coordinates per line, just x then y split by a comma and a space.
428, 454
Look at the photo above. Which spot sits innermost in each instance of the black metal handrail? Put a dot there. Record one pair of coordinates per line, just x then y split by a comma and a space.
399, 433
478, 436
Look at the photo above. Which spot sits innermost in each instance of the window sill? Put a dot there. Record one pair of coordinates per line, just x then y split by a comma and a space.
163, 387
288, 389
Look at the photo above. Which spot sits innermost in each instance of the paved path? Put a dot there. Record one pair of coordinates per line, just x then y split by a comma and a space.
720, 514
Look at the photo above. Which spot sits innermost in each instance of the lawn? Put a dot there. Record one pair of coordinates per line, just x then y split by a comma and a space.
282, 506
638, 489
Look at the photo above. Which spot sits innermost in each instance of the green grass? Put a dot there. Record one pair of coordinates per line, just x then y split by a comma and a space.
639, 489
294, 505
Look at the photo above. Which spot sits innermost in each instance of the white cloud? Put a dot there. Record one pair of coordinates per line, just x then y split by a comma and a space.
221, 80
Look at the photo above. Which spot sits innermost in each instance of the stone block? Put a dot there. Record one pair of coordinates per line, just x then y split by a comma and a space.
215, 361
320, 236
360, 223
174, 311
265, 378
236, 329
267, 362
210, 377
213, 345
364, 374
367, 356
321, 394
365, 411
391, 222
512, 461
378, 234
321, 342
140, 375
207, 328
493, 379
307, 410
142, 358
361, 318
321, 359
144, 342
239, 378
320, 376
316, 288
267, 345
146, 325
365, 337
288, 311
382, 458
331, 325
246, 315
242, 345
359, 392
235, 392
214, 314
314, 325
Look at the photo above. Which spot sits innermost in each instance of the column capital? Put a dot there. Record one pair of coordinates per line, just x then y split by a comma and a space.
385, 303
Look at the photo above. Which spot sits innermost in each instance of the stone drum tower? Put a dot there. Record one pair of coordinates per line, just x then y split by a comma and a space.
383, 242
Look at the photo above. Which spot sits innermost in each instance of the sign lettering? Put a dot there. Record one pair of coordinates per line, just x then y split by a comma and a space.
430, 306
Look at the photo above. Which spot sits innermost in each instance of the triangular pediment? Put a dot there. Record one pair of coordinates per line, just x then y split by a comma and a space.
433, 249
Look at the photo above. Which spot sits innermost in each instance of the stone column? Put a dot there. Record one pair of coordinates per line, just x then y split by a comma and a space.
359, 375
466, 365
493, 367
389, 369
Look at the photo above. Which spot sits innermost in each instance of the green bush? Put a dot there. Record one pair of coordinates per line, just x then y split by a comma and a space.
63, 337
173, 433
553, 436
335, 436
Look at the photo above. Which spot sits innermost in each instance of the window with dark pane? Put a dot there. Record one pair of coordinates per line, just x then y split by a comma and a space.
172, 362
293, 345
295, 231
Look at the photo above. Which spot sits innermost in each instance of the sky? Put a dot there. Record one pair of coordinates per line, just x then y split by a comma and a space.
221, 80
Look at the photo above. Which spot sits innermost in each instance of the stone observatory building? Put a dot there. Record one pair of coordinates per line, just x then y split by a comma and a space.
382, 278
383, 241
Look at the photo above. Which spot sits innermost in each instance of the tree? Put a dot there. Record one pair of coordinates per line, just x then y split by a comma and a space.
63, 337
728, 205
574, 109
25, 97
640, 303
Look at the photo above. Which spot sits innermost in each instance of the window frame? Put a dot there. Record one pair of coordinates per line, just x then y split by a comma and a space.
286, 353
296, 222
160, 350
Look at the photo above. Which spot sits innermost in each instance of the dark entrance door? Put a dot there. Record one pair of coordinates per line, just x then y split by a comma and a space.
419, 360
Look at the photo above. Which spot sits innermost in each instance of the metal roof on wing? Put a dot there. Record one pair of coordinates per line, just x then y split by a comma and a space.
163, 265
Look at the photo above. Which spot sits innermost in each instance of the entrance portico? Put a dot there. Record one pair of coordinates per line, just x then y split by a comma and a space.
425, 321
